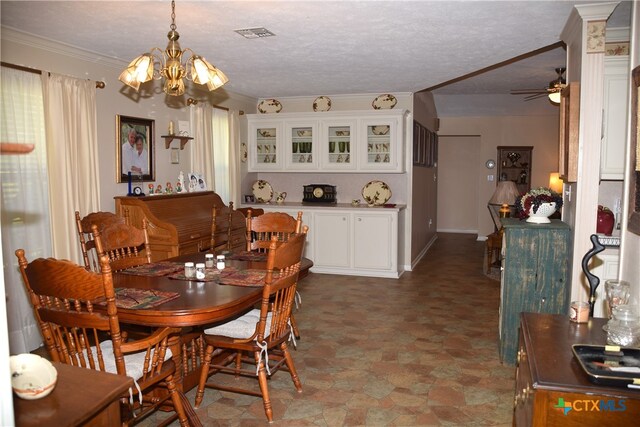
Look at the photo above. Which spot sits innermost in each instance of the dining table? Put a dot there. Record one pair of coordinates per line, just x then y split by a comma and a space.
159, 295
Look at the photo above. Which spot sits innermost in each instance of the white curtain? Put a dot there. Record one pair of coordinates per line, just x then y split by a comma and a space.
72, 158
210, 148
201, 117
221, 159
234, 157
25, 212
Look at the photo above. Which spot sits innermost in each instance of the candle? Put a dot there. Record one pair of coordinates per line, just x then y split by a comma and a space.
579, 312
170, 127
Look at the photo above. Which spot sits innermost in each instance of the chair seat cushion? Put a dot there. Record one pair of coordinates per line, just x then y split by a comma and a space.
134, 362
242, 327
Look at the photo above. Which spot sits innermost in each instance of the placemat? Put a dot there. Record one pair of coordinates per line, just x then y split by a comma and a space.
248, 256
139, 298
254, 278
160, 268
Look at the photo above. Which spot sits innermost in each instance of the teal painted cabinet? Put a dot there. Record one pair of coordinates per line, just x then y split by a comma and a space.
535, 276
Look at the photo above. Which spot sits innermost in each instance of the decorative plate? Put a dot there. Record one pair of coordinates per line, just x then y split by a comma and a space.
380, 130
322, 103
270, 106
384, 102
262, 191
243, 152
376, 193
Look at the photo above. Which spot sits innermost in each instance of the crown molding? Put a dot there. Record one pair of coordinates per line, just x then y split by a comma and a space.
596, 11
31, 40
618, 34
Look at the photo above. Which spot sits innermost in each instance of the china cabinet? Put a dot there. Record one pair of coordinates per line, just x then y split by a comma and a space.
614, 124
535, 275
514, 164
344, 141
358, 241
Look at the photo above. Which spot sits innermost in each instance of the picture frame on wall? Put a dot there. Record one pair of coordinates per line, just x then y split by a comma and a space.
135, 149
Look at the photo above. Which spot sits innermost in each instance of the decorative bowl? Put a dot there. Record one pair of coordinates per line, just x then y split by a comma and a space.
380, 130
32, 376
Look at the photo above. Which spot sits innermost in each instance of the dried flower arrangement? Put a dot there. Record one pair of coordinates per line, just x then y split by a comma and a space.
533, 199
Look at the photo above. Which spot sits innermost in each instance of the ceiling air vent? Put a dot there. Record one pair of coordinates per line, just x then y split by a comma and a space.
254, 33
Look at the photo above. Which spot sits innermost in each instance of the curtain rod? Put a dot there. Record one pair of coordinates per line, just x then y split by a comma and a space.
192, 101
99, 84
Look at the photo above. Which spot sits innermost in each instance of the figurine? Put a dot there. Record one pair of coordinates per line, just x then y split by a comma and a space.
168, 189
178, 187
150, 189
181, 179
159, 189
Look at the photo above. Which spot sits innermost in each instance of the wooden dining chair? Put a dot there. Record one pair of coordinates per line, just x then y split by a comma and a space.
124, 245
78, 331
85, 236
260, 336
260, 229
227, 229
254, 211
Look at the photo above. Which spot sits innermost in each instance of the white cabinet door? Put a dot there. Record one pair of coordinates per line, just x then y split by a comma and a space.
265, 145
374, 241
332, 239
381, 143
616, 83
301, 145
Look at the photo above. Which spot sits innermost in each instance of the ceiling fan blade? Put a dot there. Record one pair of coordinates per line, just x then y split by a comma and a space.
527, 91
532, 97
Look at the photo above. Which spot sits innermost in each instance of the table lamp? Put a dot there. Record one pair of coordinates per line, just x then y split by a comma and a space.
505, 197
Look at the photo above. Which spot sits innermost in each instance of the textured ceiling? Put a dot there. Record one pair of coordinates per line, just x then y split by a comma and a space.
324, 47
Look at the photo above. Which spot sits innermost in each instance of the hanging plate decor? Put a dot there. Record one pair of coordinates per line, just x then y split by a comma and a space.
322, 103
376, 193
384, 102
262, 191
269, 106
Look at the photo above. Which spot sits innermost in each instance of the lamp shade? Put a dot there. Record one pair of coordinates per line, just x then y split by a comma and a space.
505, 194
555, 97
555, 183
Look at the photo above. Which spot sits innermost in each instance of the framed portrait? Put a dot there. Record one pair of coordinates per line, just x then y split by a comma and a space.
135, 149
248, 198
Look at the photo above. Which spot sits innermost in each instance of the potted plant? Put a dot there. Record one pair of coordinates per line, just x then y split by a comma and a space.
538, 204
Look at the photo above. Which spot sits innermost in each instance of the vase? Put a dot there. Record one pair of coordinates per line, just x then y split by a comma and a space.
541, 216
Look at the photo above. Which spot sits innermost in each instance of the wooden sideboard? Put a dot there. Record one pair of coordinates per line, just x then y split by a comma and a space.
548, 378
81, 397
179, 223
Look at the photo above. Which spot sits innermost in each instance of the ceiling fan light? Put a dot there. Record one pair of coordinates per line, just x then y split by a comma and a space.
555, 97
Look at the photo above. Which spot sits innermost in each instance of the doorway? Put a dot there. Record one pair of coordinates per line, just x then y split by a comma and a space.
458, 183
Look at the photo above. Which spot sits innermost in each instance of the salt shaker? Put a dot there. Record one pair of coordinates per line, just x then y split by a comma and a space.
189, 270
200, 274
208, 261
220, 262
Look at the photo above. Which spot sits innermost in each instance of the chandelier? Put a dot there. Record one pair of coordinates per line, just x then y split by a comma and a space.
167, 64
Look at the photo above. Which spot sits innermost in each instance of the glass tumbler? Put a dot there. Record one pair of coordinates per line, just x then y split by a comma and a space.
617, 293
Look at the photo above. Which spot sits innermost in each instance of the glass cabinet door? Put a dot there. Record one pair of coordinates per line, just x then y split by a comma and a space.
300, 146
264, 146
381, 144
339, 145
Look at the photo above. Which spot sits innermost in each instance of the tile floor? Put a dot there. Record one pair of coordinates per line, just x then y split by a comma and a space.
418, 351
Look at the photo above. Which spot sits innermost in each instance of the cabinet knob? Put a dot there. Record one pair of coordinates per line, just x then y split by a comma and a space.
344, 219
359, 219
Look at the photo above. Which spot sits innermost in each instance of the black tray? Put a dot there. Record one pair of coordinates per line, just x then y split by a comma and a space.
597, 360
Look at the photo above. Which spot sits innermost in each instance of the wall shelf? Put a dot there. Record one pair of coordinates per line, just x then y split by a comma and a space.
169, 138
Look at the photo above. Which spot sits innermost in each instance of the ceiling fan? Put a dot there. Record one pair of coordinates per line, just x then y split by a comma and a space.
555, 87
